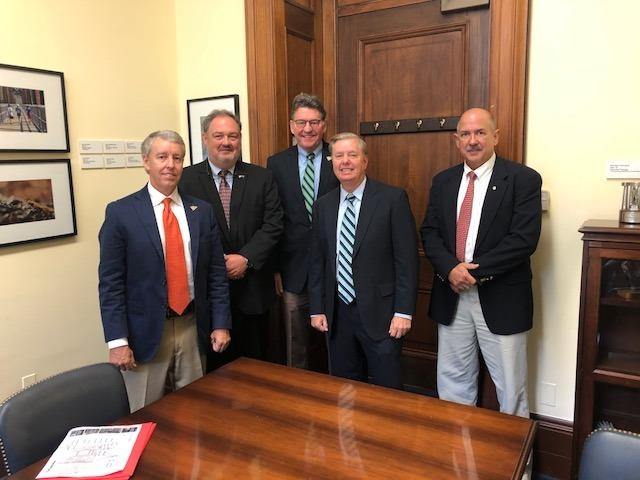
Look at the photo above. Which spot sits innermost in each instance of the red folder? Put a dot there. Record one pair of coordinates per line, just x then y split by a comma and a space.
143, 438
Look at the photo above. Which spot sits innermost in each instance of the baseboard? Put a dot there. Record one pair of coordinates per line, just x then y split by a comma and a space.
552, 447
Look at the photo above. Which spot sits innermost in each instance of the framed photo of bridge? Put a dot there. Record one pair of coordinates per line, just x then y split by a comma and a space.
36, 201
33, 110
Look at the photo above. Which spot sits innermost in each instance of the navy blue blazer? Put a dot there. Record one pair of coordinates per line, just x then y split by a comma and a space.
385, 257
294, 248
132, 277
508, 234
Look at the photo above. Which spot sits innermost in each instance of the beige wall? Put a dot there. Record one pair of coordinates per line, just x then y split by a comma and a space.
124, 78
211, 55
583, 101
130, 66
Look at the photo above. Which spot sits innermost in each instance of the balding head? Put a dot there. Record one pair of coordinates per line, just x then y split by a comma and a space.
476, 136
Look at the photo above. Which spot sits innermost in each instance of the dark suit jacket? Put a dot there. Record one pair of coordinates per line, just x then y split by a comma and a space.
508, 234
385, 261
294, 249
133, 291
256, 225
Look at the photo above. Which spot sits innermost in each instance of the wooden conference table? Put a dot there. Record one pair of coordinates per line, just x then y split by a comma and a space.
257, 420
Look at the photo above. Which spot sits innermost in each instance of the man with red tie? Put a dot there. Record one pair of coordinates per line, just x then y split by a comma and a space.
482, 225
164, 297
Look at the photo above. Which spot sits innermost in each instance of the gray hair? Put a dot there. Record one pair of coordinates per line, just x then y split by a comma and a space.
348, 136
307, 100
168, 135
206, 121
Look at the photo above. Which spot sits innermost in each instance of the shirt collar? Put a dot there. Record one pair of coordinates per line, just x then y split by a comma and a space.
358, 192
482, 169
317, 152
217, 170
157, 197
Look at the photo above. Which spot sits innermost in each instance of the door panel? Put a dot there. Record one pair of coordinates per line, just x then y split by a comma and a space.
409, 62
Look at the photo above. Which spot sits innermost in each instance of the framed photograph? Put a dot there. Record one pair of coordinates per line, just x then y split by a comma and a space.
33, 110
451, 6
199, 108
36, 201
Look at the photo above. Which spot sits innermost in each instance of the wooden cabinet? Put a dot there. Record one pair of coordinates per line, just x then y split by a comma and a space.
608, 363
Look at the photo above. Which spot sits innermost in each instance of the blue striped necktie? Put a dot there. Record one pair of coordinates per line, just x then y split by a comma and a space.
308, 184
346, 289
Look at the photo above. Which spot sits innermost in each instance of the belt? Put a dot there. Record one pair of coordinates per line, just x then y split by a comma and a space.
171, 313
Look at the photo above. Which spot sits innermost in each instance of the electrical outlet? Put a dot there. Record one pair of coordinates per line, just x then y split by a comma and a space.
547, 393
28, 380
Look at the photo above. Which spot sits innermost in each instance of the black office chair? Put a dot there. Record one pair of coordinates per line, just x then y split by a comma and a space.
34, 421
610, 453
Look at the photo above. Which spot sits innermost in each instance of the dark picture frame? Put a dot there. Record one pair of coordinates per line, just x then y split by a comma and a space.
36, 201
33, 110
198, 108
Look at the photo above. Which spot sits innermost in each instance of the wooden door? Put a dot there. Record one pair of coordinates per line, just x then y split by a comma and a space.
407, 64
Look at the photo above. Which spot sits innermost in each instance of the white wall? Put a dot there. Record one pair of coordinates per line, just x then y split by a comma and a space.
583, 102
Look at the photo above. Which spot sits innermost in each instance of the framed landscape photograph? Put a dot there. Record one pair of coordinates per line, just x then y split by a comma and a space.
199, 108
36, 201
33, 110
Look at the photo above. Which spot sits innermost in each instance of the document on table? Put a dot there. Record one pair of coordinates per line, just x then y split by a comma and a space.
92, 452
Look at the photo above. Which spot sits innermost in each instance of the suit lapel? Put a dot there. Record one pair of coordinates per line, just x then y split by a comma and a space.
331, 225
148, 219
367, 209
326, 171
450, 204
495, 192
237, 192
293, 176
209, 186
191, 212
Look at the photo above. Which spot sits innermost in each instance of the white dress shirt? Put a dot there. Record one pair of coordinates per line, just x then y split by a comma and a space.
483, 174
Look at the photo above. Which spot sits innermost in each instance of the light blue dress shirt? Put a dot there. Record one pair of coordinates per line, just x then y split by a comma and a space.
317, 164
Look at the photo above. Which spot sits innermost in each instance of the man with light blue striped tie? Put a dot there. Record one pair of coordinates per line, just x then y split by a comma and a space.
363, 281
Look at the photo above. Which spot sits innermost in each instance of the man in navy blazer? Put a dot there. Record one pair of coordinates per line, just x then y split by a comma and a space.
365, 328
150, 342
481, 295
303, 174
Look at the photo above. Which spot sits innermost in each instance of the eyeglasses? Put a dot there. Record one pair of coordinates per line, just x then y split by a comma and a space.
302, 123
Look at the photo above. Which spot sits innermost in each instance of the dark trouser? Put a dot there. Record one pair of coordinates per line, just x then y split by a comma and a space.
354, 355
248, 339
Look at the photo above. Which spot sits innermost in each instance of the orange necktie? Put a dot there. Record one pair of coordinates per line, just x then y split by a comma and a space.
177, 281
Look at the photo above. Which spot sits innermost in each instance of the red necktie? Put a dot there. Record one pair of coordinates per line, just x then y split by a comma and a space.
464, 218
225, 193
175, 264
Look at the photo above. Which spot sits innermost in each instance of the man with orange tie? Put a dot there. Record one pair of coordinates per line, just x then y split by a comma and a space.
164, 297
482, 225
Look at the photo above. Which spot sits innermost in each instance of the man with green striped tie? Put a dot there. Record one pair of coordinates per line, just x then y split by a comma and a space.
303, 173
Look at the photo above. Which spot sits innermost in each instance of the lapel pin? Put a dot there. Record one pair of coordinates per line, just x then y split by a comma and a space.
493, 188
194, 208
240, 175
